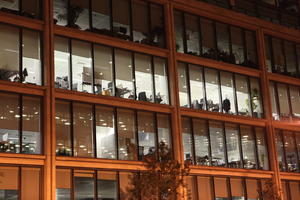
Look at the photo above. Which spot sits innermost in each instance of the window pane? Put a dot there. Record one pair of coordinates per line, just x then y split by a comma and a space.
290, 151
294, 190
83, 130
9, 53
62, 63
233, 146
31, 121
242, 93
268, 54
223, 42
278, 57
217, 143
183, 85
298, 55
192, 34
9, 188
126, 135
273, 101
161, 81
279, 148
248, 146
31, 8
60, 12
124, 79
140, 22
295, 100
204, 188
252, 189
79, 19
125, 184
157, 25
237, 45
105, 133
63, 128
283, 101
178, 23
82, 73
251, 49
256, 98
31, 182
121, 19
9, 123
146, 134
262, 148
187, 140
201, 141
208, 38
290, 58
164, 129
103, 70
83, 185
197, 87
221, 190
237, 189
212, 90
107, 185
63, 184
143, 77
297, 136
12, 5
228, 103
101, 16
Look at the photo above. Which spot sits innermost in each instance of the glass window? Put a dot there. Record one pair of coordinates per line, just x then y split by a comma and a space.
192, 34
201, 140
256, 99
178, 23
107, 185
237, 45
278, 57
205, 191
262, 148
222, 31
121, 19
187, 138
82, 73
161, 81
290, 58
295, 100
140, 22
63, 184
164, 129
251, 49
63, 128
9, 186
9, 123
12, 5
83, 130
197, 87
237, 189
221, 190
125, 184
103, 70
183, 85
233, 146
60, 12
101, 16
283, 101
252, 189
157, 31
143, 77
79, 14
273, 101
31, 121
31, 178
212, 90
208, 38
294, 190
279, 148
146, 134
31, 8
228, 98
105, 132
290, 151
126, 134
62, 63
124, 76
242, 93
268, 54
217, 143
31, 69
248, 146
9, 53
83, 184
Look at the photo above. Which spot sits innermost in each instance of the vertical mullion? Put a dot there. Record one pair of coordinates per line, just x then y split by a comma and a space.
284, 57
185, 48
187, 71
94, 130
250, 95
296, 59
153, 79
93, 67
71, 64
193, 140
229, 192
225, 144
73, 185
245, 188
137, 135
21, 123
118, 185
241, 146
230, 41
133, 75
156, 134
283, 150
296, 149
204, 90
256, 147
209, 142
234, 94
245, 50
220, 92
20, 183
289, 100
149, 20
116, 132
131, 19
216, 56
72, 127
272, 54
200, 36
114, 87
90, 15
277, 99
20, 55
96, 185
111, 16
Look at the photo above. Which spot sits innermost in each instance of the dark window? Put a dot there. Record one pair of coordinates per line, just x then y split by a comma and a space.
28, 8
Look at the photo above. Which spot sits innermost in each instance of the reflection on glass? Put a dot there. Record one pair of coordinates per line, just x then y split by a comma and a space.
201, 140
237, 189
9, 188
223, 42
187, 140
140, 22
63, 128
221, 190
105, 132
197, 87
183, 85
208, 38
60, 12
103, 72
31, 121
101, 16
9, 123
290, 151
107, 185
205, 191
278, 56
279, 148
157, 25
242, 93
237, 45
82, 73
268, 60
295, 100
63, 184
164, 129
217, 143
126, 135
283, 100
124, 79
62, 62
290, 58
178, 20
228, 99
212, 90
30, 182
79, 14
83, 130
248, 146
233, 145
12, 5
9, 53
161, 81
83, 184
192, 34
256, 98
143, 77
273, 101
252, 188
262, 148
121, 19
251, 49
31, 61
